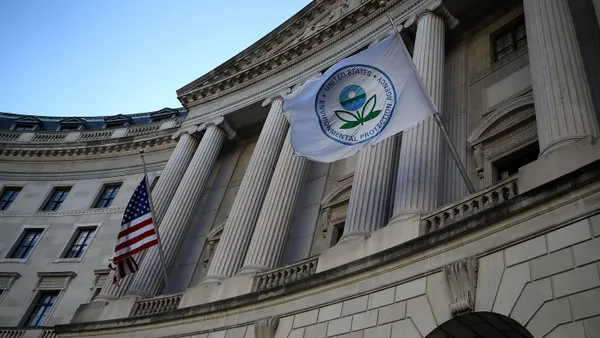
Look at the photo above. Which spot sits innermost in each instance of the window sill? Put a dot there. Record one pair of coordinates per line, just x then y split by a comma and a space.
14, 260
67, 260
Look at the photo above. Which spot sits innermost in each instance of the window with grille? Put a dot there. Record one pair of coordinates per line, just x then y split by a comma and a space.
26, 243
56, 198
80, 242
107, 196
8, 196
41, 310
509, 40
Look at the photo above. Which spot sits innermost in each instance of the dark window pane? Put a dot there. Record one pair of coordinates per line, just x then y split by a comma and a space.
8, 196
58, 196
107, 196
27, 243
509, 41
80, 243
42, 308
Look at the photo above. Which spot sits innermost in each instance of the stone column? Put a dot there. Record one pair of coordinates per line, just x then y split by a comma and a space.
563, 104
161, 196
370, 198
246, 207
277, 211
148, 281
418, 180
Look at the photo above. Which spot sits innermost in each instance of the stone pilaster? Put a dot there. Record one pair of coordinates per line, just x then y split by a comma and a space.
277, 211
563, 104
161, 196
417, 185
246, 207
370, 199
148, 281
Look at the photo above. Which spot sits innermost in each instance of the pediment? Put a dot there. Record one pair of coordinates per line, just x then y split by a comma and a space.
120, 118
29, 120
73, 120
340, 193
319, 21
505, 117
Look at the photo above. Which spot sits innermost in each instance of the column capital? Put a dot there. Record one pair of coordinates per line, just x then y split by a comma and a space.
279, 96
193, 130
223, 125
433, 8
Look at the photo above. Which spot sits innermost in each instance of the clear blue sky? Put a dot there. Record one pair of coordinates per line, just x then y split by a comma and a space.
88, 57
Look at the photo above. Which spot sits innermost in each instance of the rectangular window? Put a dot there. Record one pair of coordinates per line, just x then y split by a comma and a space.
26, 243
41, 310
80, 242
107, 196
8, 196
57, 198
509, 40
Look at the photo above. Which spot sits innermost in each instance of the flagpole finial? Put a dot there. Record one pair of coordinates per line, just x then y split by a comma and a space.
142, 151
382, 4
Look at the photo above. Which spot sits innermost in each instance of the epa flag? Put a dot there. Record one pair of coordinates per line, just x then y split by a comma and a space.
359, 101
137, 232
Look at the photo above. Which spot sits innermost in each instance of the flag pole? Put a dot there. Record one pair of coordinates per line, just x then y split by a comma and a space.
160, 248
438, 121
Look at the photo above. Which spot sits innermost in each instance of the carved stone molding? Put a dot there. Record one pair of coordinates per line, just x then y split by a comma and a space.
434, 7
108, 210
266, 327
462, 279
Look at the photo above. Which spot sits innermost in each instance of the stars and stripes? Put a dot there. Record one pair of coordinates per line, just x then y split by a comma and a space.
137, 232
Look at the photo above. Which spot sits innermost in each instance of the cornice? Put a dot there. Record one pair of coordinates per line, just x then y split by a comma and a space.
241, 98
109, 210
256, 66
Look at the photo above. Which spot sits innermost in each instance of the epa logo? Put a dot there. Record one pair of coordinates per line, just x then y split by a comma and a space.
355, 104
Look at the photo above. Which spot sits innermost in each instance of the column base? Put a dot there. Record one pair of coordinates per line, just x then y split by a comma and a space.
354, 236
223, 289
251, 269
557, 163
559, 143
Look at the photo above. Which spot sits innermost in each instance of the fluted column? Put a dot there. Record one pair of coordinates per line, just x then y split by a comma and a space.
370, 198
563, 104
247, 204
148, 281
161, 196
277, 211
417, 185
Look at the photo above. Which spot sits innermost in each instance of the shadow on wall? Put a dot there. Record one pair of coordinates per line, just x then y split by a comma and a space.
480, 324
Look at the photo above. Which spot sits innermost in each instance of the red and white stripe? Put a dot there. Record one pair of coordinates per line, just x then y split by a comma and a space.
123, 268
135, 236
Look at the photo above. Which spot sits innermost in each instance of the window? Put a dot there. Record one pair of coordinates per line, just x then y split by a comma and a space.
8, 196
337, 233
56, 199
80, 242
66, 127
107, 196
24, 127
26, 243
509, 40
41, 310
509, 165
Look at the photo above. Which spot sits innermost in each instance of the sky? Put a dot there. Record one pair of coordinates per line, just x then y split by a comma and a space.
95, 58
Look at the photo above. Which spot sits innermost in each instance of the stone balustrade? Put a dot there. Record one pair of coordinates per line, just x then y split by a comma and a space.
38, 332
9, 135
156, 305
286, 274
55, 137
470, 206
142, 129
95, 135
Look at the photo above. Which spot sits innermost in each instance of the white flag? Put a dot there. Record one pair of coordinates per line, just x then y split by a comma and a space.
358, 102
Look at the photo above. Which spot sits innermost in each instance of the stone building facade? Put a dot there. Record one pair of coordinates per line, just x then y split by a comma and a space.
389, 243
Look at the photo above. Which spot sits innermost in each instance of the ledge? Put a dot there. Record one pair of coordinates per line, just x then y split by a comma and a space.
520, 203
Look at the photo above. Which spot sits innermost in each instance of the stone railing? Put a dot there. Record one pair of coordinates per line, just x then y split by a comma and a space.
9, 136
14, 332
49, 137
471, 205
286, 274
95, 135
142, 129
156, 305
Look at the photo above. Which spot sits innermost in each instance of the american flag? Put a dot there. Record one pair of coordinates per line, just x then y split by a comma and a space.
137, 233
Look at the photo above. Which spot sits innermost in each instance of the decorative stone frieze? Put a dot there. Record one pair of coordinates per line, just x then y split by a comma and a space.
266, 327
462, 279
327, 21
93, 211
